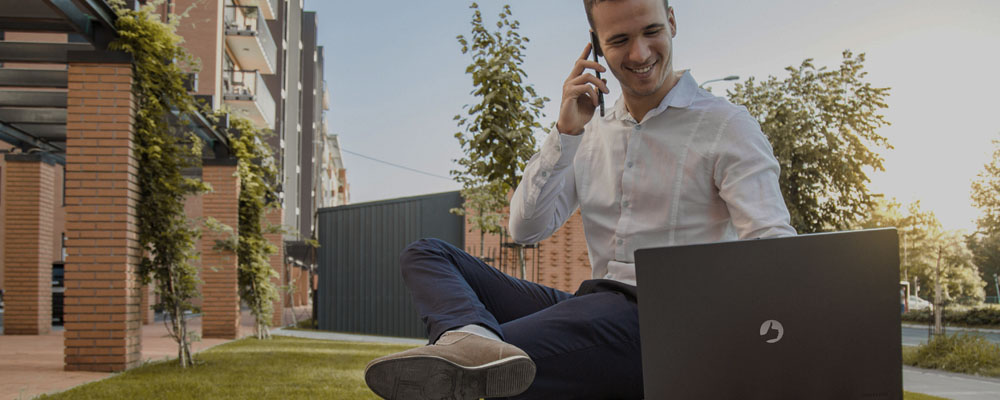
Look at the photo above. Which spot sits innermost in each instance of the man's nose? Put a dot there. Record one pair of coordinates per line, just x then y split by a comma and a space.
639, 51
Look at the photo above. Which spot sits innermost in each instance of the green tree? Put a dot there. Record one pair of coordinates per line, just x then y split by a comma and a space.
166, 235
928, 254
984, 193
985, 250
822, 125
985, 242
497, 136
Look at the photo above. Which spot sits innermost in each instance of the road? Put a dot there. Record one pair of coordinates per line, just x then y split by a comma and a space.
914, 335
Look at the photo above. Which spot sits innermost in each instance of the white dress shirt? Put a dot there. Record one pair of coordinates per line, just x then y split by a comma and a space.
696, 169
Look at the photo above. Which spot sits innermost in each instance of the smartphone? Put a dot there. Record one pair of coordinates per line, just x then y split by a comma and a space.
595, 49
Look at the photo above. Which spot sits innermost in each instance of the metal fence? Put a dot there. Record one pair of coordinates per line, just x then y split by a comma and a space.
360, 289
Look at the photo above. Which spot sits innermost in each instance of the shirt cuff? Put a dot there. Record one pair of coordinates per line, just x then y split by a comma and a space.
566, 150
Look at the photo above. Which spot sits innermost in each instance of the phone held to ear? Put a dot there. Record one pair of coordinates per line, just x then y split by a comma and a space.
595, 49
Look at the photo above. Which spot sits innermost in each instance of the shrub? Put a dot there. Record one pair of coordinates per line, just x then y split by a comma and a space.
964, 353
979, 316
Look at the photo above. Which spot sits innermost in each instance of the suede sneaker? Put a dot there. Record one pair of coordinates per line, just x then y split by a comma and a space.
460, 366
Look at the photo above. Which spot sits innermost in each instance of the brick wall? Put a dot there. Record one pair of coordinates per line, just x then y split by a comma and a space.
220, 298
102, 285
28, 203
276, 217
562, 260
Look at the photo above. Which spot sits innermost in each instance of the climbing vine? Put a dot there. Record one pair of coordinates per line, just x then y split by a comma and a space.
166, 236
258, 175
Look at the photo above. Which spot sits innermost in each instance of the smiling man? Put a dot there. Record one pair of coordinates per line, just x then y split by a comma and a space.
668, 164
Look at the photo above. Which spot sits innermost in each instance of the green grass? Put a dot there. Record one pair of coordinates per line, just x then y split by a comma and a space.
279, 368
920, 396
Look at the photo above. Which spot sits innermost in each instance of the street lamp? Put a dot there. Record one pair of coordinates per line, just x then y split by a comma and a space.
728, 78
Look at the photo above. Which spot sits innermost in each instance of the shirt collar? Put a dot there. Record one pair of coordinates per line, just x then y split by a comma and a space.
680, 96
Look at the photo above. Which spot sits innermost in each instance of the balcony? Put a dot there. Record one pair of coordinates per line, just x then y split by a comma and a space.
268, 8
245, 93
249, 39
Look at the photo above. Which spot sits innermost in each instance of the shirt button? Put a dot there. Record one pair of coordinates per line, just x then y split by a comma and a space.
628, 164
625, 204
545, 174
620, 241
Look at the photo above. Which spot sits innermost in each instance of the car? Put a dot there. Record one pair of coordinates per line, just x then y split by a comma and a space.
917, 303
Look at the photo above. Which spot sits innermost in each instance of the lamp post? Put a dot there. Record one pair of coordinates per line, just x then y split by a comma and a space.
728, 78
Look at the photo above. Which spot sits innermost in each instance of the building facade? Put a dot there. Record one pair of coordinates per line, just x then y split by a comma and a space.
67, 180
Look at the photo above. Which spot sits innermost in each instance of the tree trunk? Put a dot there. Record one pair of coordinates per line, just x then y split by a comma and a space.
938, 328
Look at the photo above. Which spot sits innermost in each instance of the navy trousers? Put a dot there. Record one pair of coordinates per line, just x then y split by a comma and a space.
584, 346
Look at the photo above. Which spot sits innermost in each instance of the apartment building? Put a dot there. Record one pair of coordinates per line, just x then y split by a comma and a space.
64, 119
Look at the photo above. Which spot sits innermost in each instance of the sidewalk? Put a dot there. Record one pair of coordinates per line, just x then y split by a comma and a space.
348, 337
33, 365
950, 385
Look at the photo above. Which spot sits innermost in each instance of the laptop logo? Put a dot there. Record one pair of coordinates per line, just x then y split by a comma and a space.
771, 325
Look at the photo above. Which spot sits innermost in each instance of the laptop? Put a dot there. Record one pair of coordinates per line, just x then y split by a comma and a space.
803, 317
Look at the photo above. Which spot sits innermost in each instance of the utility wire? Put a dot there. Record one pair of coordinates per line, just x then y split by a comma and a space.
394, 165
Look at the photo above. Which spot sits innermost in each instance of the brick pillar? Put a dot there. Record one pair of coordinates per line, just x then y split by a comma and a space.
102, 282
277, 217
220, 298
29, 197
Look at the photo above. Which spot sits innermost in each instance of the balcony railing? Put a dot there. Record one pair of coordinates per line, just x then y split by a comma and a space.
246, 91
268, 7
247, 21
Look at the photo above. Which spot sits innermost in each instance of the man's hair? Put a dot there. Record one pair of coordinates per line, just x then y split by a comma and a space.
588, 5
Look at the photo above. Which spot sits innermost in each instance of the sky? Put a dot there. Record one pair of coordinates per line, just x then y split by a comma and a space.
396, 77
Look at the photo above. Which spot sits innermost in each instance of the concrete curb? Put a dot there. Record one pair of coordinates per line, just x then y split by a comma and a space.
954, 328
347, 337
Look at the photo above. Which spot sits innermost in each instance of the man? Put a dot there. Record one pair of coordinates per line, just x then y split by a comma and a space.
668, 164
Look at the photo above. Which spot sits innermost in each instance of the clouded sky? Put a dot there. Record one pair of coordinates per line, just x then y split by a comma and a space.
396, 77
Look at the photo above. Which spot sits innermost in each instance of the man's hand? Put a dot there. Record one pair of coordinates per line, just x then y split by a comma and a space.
579, 97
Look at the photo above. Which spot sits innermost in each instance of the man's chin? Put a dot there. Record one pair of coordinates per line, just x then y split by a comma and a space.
642, 91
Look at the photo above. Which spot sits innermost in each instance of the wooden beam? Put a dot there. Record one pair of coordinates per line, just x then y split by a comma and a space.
33, 115
26, 98
10, 77
39, 52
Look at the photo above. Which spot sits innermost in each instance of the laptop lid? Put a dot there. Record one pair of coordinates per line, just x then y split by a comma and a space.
803, 317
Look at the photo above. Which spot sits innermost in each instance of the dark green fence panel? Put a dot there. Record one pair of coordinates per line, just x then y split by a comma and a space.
360, 287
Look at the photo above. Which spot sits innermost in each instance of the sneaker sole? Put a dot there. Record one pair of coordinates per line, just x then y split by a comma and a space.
434, 378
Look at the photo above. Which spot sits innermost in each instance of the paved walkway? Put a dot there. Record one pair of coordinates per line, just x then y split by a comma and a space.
950, 385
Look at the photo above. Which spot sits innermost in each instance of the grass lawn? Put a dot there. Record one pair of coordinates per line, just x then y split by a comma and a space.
280, 368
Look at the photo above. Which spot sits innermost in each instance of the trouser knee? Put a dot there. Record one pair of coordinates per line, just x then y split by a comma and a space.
416, 250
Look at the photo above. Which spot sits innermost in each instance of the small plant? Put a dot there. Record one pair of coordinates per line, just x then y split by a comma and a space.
964, 353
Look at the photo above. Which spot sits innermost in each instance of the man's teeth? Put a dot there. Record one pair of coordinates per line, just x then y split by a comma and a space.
642, 70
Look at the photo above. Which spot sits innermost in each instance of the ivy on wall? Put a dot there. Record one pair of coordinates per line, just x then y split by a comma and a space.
166, 236
258, 175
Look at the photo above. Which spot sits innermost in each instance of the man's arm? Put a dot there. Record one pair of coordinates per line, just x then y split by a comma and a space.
746, 174
546, 196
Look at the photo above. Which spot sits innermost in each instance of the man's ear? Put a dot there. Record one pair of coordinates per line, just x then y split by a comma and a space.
596, 43
672, 21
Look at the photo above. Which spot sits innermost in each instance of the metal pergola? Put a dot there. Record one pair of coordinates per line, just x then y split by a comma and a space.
33, 91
